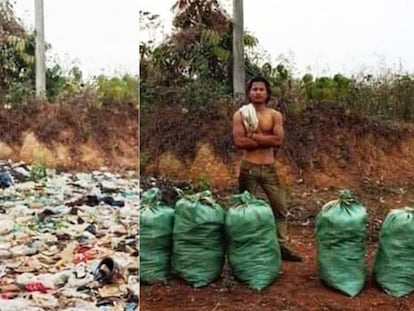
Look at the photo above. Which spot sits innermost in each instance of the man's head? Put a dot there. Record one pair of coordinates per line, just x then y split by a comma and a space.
258, 90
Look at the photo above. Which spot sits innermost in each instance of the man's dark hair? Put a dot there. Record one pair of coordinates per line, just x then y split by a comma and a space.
265, 82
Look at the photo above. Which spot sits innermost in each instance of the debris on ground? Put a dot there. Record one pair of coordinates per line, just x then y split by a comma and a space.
68, 241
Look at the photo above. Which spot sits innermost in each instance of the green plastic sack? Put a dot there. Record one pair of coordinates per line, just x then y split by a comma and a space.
198, 239
394, 260
156, 226
253, 249
341, 243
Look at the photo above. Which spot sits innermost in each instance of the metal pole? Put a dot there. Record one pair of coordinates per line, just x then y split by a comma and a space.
238, 53
40, 51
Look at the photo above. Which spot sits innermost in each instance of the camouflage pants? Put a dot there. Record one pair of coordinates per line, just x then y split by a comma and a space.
252, 177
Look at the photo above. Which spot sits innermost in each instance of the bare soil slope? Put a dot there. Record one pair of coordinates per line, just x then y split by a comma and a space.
71, 136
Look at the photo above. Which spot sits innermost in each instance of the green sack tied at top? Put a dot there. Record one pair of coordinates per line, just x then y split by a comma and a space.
253, 249
341, 243
394, 260
198, 239
156, 226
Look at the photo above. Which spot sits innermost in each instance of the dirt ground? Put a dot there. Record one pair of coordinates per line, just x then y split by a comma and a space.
298, 287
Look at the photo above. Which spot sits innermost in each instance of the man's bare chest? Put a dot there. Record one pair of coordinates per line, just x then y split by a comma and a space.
265, 123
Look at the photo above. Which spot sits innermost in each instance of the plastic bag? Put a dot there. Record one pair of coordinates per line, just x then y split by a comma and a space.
253, 248
394, 260
198, 239
156, 226
341, 243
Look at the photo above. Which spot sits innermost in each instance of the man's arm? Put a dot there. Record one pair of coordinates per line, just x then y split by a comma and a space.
276, 138
239, 134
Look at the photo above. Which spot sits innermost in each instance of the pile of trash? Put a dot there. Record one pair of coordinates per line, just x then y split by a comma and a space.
68, 241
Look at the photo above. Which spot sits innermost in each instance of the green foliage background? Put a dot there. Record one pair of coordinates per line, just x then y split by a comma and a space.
192, 69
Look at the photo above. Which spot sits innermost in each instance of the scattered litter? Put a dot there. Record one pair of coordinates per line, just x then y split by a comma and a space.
68, 241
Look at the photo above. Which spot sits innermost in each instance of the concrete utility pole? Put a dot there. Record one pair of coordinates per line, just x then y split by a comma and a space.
40, 51
238, 53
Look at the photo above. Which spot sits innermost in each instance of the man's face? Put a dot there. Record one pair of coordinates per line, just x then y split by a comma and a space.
258, 92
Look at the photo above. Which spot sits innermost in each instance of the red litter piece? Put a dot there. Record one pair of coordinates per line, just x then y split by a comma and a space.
36, 287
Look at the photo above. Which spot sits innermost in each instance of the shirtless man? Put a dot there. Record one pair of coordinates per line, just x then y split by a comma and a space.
257, 167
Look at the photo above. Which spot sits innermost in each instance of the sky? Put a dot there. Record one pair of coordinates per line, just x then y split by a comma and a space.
99, 36
322, 37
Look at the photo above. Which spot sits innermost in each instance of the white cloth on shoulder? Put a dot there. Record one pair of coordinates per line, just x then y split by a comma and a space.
250, 120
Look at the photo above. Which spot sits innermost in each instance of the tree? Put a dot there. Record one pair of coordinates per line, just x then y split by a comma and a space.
197, 55
17, 63
16, 52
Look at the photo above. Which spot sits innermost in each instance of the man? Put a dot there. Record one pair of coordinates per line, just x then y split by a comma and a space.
258, 129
